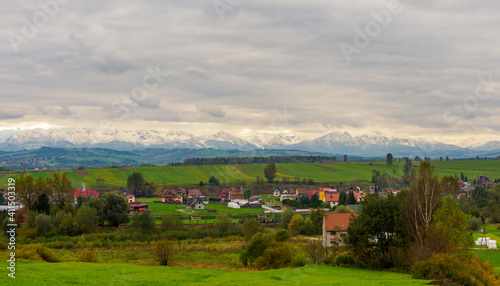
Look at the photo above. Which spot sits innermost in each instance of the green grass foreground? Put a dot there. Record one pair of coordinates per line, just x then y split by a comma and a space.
333, 172
73, 273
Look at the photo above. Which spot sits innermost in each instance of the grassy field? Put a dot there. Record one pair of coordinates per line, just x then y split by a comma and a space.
335, 172
173, 209
72, 273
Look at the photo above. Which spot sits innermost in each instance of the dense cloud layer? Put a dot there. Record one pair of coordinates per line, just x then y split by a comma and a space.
415, 68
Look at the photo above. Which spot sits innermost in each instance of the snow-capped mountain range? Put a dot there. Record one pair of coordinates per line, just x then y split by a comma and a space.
335, 142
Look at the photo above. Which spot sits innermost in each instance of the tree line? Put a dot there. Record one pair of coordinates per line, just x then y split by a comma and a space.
255, 160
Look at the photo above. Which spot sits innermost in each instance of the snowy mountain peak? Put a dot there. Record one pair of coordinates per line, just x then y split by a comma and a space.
333, 142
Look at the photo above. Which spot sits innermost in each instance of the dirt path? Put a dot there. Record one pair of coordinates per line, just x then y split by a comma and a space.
325, 167
279, 172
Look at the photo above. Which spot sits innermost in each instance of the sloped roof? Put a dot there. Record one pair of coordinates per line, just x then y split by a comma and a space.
86, 193
194, 201
194, 192
337, 222
302, 191
168, 193
332, 197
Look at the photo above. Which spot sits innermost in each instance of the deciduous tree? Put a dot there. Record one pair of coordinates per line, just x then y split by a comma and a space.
270, 172
452, 223
424, 198
115, 208
135, 183
60, 185
389, 158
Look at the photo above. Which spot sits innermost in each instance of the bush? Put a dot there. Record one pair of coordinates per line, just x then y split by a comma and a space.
473, 223
143, 222
250, 228
295, 225
38, 252
316, 252
87, 218
69, 225
307, 228
286, 218
256, 247
345, 260
43, 224
3, 244
275, 257
282, 235
87, 256
163, 251
455, 270
168, 222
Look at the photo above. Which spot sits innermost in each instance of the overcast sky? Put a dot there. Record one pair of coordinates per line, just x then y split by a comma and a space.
305, 67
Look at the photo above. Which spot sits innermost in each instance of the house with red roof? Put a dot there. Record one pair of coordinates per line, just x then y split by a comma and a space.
130, 198
359, 197
137, 207
85, 193
335, 228
224, 195
332, 199
312, 193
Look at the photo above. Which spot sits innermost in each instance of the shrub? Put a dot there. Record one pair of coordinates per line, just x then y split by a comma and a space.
170, 223
308, 227
143, 222
282, 235
222, 224
69, 225
473, 223
87, 255
38, 252
163, 251
286, 218
300, 261
345, 260
256, 247
3, 244
43, 224
275, 257
250, 228
316, 252
455, 269
87, 218
295, 225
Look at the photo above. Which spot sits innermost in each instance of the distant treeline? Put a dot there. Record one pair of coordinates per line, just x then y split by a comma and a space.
255, 160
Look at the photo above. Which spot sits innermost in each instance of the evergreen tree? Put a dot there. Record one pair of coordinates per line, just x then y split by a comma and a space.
351, 200
342, 198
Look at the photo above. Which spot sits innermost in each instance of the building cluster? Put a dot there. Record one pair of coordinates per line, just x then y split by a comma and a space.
327, 195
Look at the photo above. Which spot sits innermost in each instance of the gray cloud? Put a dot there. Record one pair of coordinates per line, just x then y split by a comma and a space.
263, 56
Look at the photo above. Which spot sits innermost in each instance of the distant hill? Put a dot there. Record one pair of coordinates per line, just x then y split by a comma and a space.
61, 158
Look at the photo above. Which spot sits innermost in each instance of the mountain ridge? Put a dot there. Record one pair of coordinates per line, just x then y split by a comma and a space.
333, 142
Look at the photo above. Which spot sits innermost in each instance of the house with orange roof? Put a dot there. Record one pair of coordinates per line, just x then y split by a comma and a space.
335, 228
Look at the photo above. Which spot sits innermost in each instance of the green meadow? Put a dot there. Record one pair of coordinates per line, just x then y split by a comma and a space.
74, 273
180, 209
334, 172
